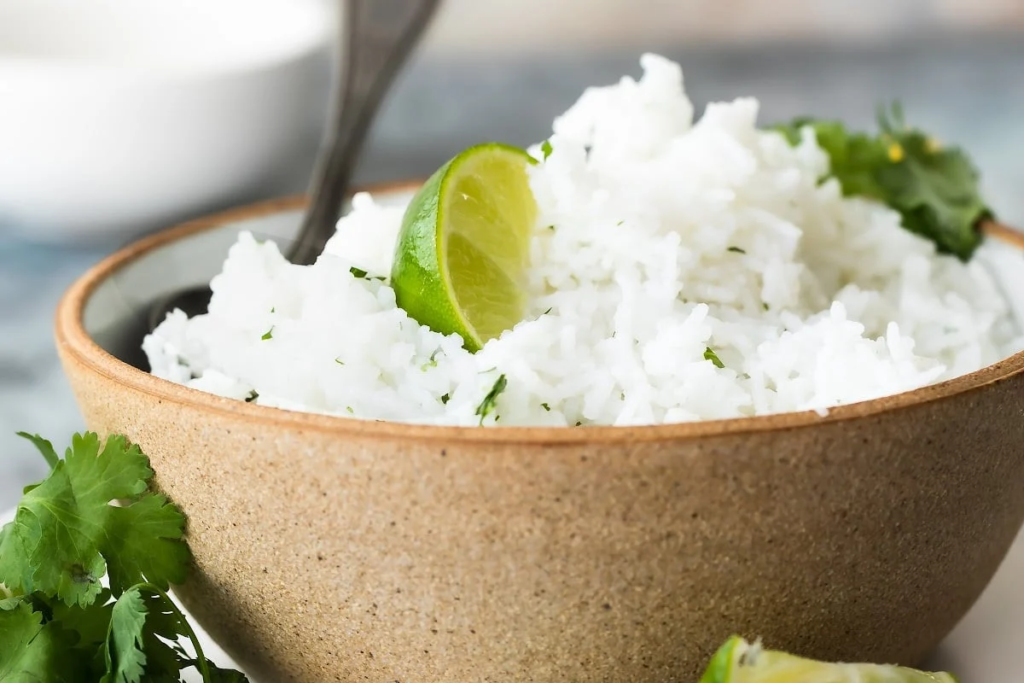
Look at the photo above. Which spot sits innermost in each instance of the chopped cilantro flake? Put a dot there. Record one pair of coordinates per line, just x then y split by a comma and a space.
490, 402
710, 355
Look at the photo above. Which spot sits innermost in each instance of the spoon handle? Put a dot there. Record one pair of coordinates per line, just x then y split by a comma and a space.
379, 37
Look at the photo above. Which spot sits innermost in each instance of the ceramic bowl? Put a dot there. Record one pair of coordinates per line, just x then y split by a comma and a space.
120, 116
335, 549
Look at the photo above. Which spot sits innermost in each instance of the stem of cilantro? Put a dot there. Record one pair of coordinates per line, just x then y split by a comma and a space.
1003, 233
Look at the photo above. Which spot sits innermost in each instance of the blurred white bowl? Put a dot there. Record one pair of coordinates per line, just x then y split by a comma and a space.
120, 116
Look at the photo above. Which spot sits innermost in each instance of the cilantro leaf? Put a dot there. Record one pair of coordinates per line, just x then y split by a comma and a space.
33, 650
124, 656
133, 648
90, 625
13, 571
936, 191
853, 157
144, 544
546, 149
490, 402
44, 446
143, 642
66, 534
57, 625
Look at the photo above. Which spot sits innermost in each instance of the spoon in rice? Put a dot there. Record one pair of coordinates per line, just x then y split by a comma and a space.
379, 37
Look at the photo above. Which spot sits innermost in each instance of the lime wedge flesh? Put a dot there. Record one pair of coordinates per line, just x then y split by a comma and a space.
740, 662
462, 254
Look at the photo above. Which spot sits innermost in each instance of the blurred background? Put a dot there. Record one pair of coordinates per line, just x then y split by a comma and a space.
120, 117
506, 26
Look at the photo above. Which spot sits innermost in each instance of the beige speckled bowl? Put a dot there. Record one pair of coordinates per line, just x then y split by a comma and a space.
338, 550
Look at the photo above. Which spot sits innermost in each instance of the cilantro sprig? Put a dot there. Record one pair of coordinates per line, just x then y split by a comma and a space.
935, 189
57, 621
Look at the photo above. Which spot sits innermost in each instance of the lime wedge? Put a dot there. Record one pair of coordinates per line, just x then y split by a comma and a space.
461, 257
741, 662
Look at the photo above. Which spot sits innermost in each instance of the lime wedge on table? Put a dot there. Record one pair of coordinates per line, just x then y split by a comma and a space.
740, 662
462, 254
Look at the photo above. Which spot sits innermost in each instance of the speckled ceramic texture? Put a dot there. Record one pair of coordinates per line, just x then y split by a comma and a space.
329, 549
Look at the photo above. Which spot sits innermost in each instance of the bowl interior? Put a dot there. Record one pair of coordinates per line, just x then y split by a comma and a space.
116, 313
170, 35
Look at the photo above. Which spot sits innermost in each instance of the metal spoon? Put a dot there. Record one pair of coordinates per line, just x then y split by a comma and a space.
379, 37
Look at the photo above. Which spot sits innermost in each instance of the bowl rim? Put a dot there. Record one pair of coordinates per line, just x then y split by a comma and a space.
73, 340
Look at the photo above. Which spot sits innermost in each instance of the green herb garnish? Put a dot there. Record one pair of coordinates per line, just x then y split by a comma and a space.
709, 354
737, 250
934, 189
490, 402
546, 149
361, 274
269, 334
432, 361
445, 398
546, 407
57, 622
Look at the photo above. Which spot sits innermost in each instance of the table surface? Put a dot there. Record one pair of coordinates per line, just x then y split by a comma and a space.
964, 90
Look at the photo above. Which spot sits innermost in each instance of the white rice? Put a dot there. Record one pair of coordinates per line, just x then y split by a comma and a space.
658, 239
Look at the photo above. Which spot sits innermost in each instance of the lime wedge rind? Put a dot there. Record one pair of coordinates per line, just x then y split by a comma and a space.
463, 250
738, 661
